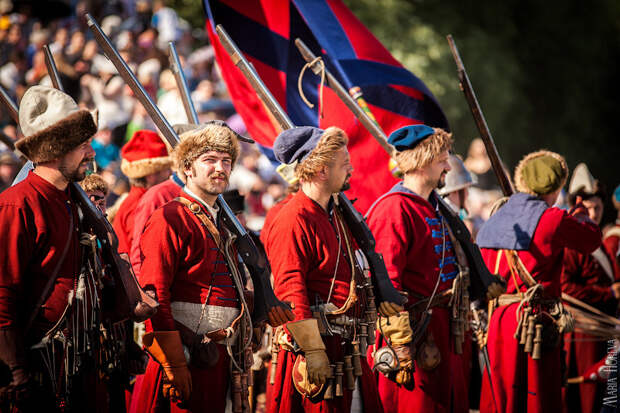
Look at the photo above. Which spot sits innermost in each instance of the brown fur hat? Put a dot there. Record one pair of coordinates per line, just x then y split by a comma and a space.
52, 124
520, 180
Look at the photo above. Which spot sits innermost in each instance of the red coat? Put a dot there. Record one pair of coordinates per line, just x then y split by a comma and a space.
303, 251
35, 217
124, 221
152, 199
408, 233
584, 278
181, 261
519, 382
612, 240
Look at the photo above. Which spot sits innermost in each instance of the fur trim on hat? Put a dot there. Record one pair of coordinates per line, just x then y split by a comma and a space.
58, 139
144, 167
520, 180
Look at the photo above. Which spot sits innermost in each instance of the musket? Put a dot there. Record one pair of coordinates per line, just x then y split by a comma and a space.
484, 284
177, 69
481, 123
52, 70
273, 309
9, 105
383, 287
132, 300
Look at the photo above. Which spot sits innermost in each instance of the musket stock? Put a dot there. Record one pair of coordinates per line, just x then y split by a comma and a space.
257, 264
481, 123
384, 289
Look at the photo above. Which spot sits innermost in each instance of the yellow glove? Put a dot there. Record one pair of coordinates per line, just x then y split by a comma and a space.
307, 336
397, 329
167, 349
387, 309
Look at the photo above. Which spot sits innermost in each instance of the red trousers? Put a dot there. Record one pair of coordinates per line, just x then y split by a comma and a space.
581, 354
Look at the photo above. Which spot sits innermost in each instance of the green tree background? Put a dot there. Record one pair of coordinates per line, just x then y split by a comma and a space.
545, 72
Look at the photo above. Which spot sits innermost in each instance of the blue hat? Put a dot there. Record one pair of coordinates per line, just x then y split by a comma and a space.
296, 144
408, 137
617, 194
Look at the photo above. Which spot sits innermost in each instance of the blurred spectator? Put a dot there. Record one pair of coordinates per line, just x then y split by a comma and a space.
9, 167
166, 21
105, 150
478, 163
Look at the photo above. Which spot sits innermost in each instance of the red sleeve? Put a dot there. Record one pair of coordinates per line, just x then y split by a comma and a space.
160, 247
581, 235
392, 230
17, 251
612, 243
572, 273
290, 255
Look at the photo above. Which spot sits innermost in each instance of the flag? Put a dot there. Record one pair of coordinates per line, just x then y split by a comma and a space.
265, 31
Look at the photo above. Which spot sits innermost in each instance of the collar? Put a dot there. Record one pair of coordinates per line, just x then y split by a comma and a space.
213, 210
175, 178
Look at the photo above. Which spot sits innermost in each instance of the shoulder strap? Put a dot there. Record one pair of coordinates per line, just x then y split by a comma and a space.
196, 209
516, 265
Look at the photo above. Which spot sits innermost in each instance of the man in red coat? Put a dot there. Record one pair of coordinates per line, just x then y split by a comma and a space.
524, 242
185, 259
40, 258
420, 259
146, 163
309, 248
590, 278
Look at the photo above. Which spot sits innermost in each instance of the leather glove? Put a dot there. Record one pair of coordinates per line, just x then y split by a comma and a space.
397, 329
11, 353
167, 349
404, 376
279, 315
306, 335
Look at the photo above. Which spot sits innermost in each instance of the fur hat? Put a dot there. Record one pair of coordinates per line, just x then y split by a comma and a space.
52, 124
144, 154
212, 136
541, 173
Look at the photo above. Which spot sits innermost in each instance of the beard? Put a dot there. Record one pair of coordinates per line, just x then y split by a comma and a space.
213, 187
441, 182
74, 174
346, 185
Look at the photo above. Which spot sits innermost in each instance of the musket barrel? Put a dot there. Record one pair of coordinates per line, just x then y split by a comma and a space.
481, 123
9, 105
342, 93
129, 77
177, 69
52, 70
250, 74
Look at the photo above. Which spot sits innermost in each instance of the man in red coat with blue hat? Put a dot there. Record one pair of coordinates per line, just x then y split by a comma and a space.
420, 258
524, 241
317, 357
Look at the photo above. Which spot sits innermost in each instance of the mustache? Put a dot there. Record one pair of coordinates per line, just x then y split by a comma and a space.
219, 175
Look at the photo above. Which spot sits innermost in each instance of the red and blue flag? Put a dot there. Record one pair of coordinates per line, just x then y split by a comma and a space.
265, 31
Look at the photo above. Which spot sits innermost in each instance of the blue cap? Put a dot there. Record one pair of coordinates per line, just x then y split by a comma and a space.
408, 137
296, 144
617, 194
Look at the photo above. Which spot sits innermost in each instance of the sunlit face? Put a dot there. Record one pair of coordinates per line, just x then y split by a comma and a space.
435, 172
210, 172
74, 164
339, 172
594, 206
98, 198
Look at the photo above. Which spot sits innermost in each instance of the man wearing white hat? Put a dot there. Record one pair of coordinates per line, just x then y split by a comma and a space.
40, 258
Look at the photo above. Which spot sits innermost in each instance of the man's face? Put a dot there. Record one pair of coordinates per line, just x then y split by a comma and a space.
339, 172
98, 198
594, 206
210, 172
436, 171
74, 164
